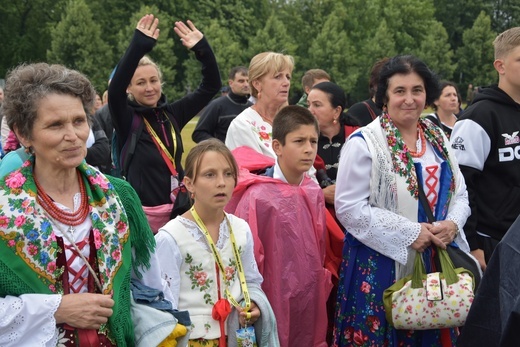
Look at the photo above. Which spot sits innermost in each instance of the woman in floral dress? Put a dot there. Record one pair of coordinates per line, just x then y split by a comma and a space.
377, 203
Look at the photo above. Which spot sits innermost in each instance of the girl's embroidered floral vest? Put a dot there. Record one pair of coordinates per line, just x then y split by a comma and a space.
199, 282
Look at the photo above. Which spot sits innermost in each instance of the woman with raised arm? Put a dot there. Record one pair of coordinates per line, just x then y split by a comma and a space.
141, 113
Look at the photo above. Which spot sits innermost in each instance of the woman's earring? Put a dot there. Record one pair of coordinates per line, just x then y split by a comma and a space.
385, 109
335, 121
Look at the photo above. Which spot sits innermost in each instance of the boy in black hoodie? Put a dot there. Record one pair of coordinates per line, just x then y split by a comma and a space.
486, 142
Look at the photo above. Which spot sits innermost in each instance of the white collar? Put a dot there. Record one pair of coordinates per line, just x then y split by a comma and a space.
278, 174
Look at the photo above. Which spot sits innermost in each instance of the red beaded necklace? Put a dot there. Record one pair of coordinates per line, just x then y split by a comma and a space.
423, 145
67, 218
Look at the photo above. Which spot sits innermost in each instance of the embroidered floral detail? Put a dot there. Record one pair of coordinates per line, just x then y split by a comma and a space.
29, 232
264, 135
62, 339
230, 273
402, 160
199, 279
231, 270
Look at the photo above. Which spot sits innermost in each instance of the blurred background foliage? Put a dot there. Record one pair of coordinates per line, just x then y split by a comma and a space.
343, 37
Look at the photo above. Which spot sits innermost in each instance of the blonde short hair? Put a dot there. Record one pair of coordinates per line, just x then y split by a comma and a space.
146, 60
506, 42
265, 63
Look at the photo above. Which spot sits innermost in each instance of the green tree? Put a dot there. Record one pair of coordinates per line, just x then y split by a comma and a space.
304, 20
410, 21
476, 56
338, 57
227, 48
459, 15
25, 31
506, 14
379, 28
111, 16
435, 50
77, 44
377, 46
272, 37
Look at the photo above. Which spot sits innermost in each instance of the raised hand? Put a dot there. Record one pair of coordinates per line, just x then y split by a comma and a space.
148, 25
189, 35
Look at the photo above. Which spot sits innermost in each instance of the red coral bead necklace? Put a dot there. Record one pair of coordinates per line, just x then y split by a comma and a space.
67, 218
423, 145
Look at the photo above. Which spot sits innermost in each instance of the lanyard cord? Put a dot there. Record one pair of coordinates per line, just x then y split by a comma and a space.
161, 147
220, 263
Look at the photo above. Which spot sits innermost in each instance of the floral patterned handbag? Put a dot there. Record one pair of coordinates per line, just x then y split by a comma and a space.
436, 300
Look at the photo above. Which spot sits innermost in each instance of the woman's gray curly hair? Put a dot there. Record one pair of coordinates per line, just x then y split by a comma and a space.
27, 84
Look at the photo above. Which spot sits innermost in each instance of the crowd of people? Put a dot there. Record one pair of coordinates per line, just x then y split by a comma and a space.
295, 219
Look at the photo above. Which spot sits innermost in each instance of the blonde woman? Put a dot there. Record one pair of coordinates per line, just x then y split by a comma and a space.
270, 79
155, 168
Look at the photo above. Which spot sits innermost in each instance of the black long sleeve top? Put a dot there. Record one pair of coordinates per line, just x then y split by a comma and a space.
147, 172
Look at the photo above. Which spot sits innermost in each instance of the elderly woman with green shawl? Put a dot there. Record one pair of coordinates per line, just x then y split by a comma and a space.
67, 232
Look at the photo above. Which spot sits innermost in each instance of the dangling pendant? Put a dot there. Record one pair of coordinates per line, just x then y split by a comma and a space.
71, 230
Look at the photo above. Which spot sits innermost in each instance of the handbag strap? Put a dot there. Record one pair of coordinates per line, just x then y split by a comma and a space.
448, 269
425, 204
372, 113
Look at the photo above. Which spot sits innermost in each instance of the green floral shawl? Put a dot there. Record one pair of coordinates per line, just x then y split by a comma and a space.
29, 247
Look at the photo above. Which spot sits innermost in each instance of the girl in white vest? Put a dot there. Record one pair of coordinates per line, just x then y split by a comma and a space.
207, 257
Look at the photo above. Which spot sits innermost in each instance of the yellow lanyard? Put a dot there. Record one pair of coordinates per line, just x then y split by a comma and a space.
158, 140
220, 263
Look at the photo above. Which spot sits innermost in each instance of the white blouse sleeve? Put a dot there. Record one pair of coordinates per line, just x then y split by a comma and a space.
152, 277
384, 231
28, 320
170, 260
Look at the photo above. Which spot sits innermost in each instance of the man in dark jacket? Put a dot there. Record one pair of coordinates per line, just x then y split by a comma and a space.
486, 142
215, 119
494, 316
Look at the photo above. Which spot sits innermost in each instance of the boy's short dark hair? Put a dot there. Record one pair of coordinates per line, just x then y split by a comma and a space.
289, 119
